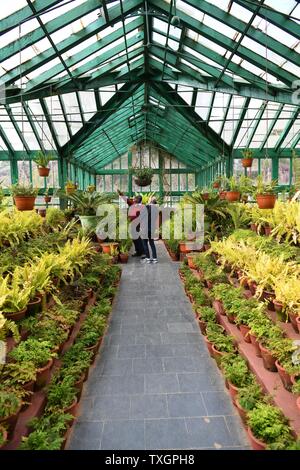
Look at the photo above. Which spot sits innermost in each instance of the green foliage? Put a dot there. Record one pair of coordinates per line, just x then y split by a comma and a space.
249, 396
87, 203
18, 373
236, 370
268, 424
32, 350
207, 314
61, 394
264, 188
9, 403
42, 159
55, 218
23, 191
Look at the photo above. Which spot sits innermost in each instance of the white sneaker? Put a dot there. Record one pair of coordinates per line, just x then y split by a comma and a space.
145, 260
148, 261
154, 261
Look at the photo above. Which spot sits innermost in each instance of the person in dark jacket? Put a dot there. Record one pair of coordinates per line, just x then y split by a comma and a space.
135, 205
149, 221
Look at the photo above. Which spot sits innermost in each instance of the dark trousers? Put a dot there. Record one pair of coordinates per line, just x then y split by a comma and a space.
146, 248
139, 246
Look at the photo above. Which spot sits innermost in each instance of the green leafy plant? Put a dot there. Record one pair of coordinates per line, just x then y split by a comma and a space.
18, 373
42, 159
143, 176
249, 396
207, 314
23, 191
9, 403
236, 370
61, 394
87, 203
268, 424
32, 350
264, 188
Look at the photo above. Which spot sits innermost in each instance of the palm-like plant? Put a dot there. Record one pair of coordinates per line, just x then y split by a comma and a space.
86, 203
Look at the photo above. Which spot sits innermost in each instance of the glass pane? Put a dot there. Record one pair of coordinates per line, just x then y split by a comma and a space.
5, 177
174, 180
284, 171
266, 169
183, 183
238, 169
191, 182
24, 172
253, 171
37, 181
100, 183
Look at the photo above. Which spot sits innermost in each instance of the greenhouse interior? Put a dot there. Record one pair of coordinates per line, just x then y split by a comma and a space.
150, 225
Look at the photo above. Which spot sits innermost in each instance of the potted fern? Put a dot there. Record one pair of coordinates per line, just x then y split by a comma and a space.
143, 176
24, 196
233, 193
42, 160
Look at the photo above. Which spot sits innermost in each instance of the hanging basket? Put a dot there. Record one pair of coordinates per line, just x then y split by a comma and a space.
266, 201
24, 203
44, 172
143, 181
247, 162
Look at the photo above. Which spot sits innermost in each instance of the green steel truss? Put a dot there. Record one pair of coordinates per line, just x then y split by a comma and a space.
120, 74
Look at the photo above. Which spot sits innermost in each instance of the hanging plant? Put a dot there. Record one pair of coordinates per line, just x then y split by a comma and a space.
143, 176
247, 159
42, 160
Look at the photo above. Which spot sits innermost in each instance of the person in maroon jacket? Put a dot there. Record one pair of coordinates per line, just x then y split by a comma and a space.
135, 205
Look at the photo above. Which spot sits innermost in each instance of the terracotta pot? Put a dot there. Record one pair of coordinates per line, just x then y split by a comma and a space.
266, 201
233, 196
218, 306
247, 162
217, 355
255, 343
42, 212
174, 256
285, 377
241, 411
231, 318
268, 359
268, 230
209, 284
202, 326
47, 199
252, 287
44, 172
233, 390
16, 316
183, 247
293, 317
216, 185
298, 403
79, 384
244, 329
253, 228
43, 374
24, 203
123, 257
278, 306
298, 323
190, 259
4, 436
222, 195
34, 306
10, 422
256, 443
71, 409
94, 349
106, 247
209, 346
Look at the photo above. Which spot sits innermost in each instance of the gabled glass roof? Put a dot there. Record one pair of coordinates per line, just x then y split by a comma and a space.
119, 71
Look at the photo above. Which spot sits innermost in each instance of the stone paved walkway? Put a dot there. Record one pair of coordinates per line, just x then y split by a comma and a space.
153, 385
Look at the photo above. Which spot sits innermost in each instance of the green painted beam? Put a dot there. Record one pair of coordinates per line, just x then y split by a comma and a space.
99, 118
287, 129
50, 124
241, 120
18, 129
240, 26
52, 26
63, 108
275, 17
33, 125
271, 127
70, 42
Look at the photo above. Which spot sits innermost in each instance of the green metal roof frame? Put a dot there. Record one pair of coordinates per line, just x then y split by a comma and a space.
140, 68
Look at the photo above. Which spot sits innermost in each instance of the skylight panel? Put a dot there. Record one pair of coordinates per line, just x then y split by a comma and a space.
240, 12
7, 8
189, 10
292, 134
106, 93
2, 144
284, 7
186, 93
64, 7
203, 103
218, 26
218, 111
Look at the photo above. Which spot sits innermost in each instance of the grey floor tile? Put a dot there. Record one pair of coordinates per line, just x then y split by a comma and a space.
116, 366
196, 382
123, 435
160, 350
131, 351
237, 432
148, 365
209, 432
182, 364
166, 434
122, 339
161, 383
182, 327
85, 436
148, 338
182, 405
148, 406
218, 403
110, 407
119, 385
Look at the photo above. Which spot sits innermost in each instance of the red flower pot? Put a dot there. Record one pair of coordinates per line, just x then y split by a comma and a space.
34, 306
278, 306
244, 329
268, 360
268, 230
233, 390
190, 259
217, 355
209, 346
285, 377
71, 409
47, 199
254, 228
266, 201
43, 172
293, 317
24, 203
241, 411
123, 258
3, 432
256, 443
255, 343
10, 421
298, 403
247, 162
233, 196
16, 316
202, 326
218, 306
298, 323
216, 185
43, 374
